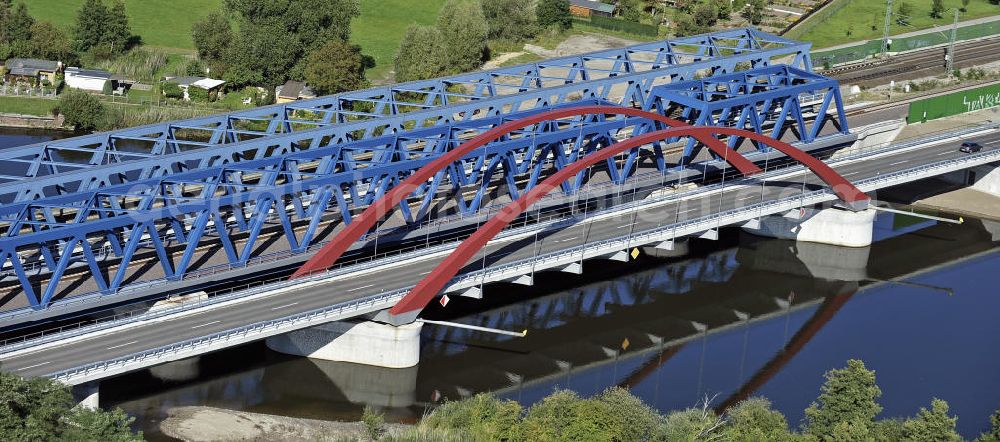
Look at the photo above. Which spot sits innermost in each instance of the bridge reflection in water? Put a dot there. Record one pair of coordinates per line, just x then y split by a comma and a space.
734, 318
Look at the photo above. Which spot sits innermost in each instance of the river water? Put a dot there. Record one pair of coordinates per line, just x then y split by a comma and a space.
733, 318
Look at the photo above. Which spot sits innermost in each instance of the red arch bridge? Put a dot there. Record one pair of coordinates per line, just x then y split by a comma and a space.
435, 281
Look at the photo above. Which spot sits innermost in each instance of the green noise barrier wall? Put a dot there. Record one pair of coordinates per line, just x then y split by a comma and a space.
971, 100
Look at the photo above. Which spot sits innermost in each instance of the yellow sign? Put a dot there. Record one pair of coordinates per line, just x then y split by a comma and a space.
625, 344
635, 253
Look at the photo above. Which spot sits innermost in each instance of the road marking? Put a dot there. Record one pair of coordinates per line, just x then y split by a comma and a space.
122, 345
944, 153
33, 366
206, 324
849, 174
567, 239
751, 196
283, 306
359, 288
898, 162
622, 227
688, 210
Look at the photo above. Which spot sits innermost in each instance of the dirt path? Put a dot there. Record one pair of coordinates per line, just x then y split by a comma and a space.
500, 59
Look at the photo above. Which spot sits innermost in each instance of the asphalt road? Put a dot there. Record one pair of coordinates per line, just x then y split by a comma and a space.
150, 335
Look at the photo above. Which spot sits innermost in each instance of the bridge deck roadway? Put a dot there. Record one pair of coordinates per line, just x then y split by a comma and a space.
127, 341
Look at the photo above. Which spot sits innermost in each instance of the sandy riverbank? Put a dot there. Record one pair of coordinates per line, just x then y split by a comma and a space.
204, 424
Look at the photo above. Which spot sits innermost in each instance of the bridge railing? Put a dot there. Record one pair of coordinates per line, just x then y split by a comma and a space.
323, 315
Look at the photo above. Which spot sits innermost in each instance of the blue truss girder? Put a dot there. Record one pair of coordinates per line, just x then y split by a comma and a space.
107, 158
221, 203
768, 99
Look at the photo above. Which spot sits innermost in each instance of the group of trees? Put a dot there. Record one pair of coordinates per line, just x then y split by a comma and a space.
698, 16
103, 30
38, 410
100, 30
276, 41
458, 41
23, 36
845, 410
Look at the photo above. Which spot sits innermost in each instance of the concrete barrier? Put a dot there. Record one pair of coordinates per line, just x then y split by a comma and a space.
364, 342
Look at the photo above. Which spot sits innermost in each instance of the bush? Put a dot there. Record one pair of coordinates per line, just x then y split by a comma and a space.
198, 95
554, 13
483, 417
374, 422
136, 64
171, 90
81, 110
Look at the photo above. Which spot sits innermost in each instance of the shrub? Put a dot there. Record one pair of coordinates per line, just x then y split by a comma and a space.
374, 422
171, 90
483, 416
81, 110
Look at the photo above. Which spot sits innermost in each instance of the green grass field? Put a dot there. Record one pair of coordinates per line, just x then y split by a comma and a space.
27, 105
160, 23
860, 16
382, 24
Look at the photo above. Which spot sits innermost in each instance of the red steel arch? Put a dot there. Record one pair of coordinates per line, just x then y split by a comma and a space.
435, 281
329, 254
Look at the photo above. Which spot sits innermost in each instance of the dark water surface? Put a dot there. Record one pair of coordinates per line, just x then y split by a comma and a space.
733, 318
740, 317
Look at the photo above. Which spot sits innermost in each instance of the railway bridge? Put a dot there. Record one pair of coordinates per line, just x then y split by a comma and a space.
327, 225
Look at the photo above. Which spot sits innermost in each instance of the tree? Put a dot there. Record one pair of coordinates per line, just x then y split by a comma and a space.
903, 13
965, 5
50, 42
260, 55
81, 110
116, 32
630, 10
932, 425
43, 410
848, 397
725, 8
90, 24
937, 8
212, 35
421, 54
463, 30
754, 419
994, 434
706, 15
512, 20
554, 13
335, 67
629, 417
19, 24
195, 68
755, 10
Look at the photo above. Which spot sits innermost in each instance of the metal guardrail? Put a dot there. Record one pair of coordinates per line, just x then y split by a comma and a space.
309, 316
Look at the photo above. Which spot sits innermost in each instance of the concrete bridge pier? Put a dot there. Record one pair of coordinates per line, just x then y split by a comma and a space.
826, 226
360, 342
671, 249
87, 395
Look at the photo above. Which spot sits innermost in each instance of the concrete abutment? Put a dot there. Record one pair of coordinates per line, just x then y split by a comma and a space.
360, 342
825, 226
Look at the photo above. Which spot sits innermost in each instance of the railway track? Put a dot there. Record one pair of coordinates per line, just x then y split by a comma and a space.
916, 64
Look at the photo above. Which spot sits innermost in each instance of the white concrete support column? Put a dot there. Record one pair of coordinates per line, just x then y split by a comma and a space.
826, 226
668, 249
363, 342
87, 395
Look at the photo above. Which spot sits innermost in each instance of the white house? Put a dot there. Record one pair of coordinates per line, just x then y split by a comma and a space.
86, 79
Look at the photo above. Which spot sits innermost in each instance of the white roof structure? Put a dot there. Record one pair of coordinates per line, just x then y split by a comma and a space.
208, 83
